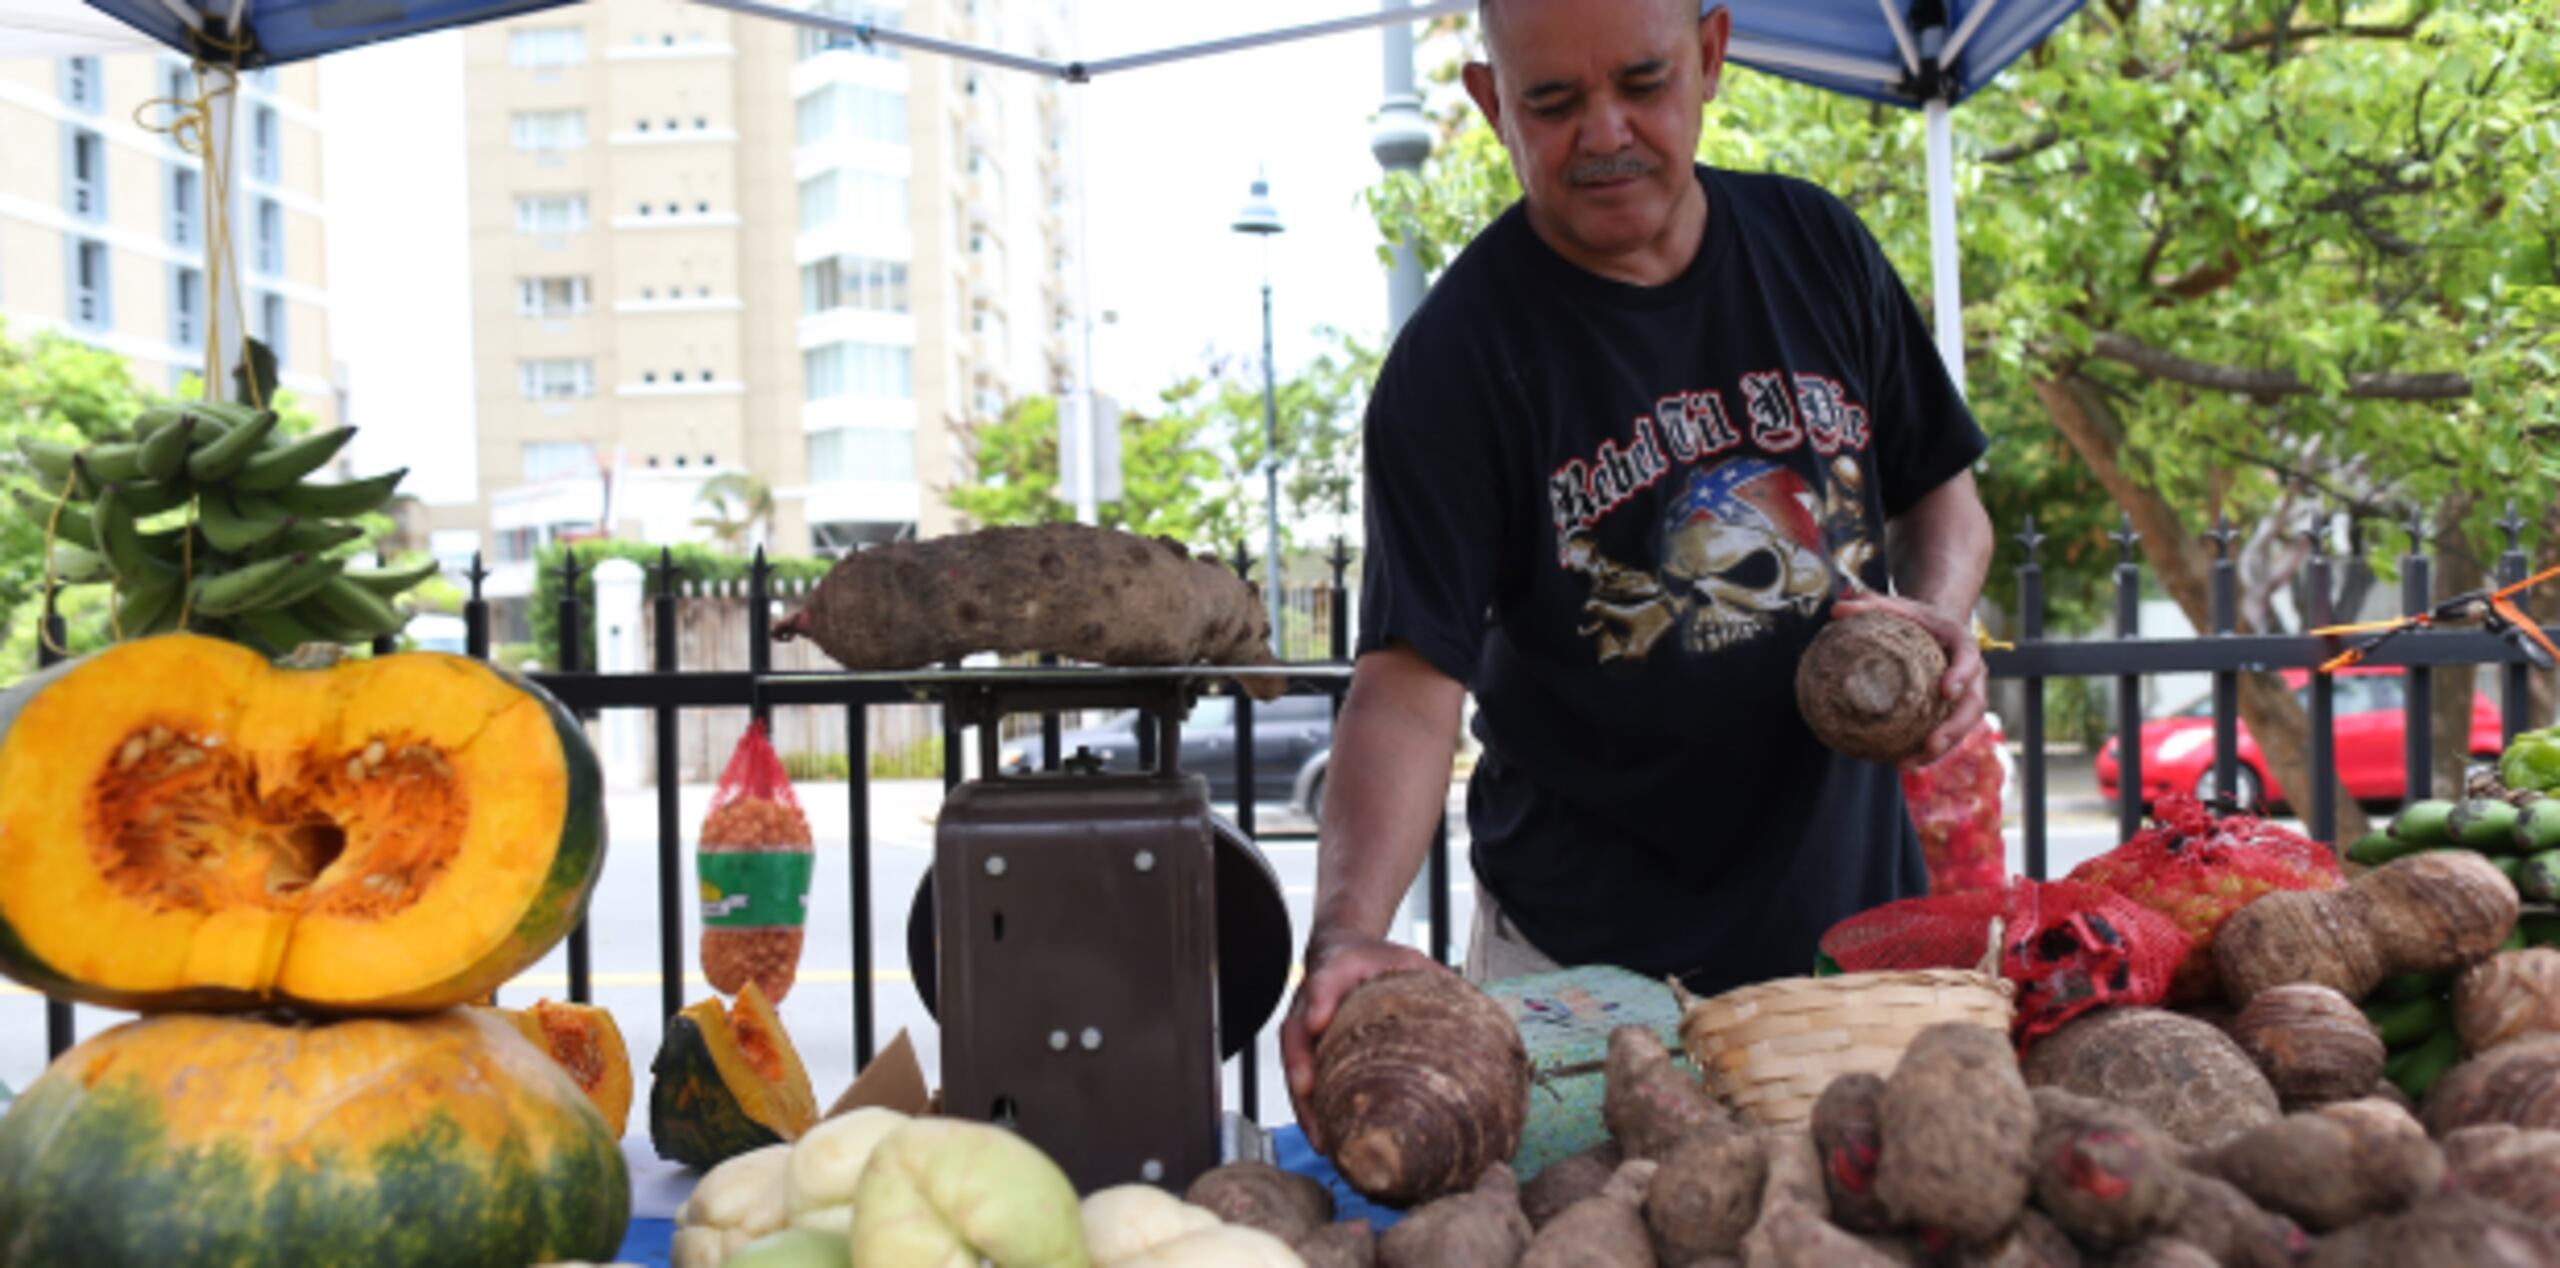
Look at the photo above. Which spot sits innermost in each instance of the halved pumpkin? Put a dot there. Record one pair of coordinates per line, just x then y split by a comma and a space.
727, 1081
240, 1139
587, 1044
184, 825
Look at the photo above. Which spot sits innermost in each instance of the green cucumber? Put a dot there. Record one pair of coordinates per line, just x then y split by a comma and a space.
2401, 988
2410, 1022
2538, 826
2483, 823
2376, 848
2424, 823
2541, 928
2417, 1070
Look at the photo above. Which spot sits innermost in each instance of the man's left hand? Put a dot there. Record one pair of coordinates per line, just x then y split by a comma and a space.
1964, 683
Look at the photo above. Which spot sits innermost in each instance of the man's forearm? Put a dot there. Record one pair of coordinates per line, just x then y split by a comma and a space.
1942, 548
1386, 786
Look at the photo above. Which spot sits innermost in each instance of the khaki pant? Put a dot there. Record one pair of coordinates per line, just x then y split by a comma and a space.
1496, 950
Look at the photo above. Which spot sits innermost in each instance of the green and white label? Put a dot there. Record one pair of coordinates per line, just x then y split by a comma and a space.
755, 889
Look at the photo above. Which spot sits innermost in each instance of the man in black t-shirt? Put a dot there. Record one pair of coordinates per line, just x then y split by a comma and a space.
1651, 428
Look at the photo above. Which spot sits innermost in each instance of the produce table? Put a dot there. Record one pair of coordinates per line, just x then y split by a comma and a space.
659, 1187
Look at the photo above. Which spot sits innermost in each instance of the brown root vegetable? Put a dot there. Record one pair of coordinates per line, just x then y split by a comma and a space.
1794, 1236
1959, 1126
2314, 1045
1845, 1131
2515, 1167
2032, 1242
1704, 1197
2102, 1173
2162, 1252
1868, 686
2332, 1167
1603, 1231
1421, 1084
1647, 1103
1350, 1244
2188, 1078
1563, 1183
2516, 1083
2507, 996
2237, 1232
1258, 1195
2453, 1228
1091, 594
2430, 912
1481, 1228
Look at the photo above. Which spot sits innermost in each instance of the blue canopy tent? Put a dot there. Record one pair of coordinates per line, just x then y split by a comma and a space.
1928, 55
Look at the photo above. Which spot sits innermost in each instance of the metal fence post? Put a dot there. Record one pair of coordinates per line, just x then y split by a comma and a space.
1248, 1075
2515, 694
2128, 686
2226, 683
2321, 816
60, 1031
671, 887
572, 651
2031, 629
475, 612
2416, 584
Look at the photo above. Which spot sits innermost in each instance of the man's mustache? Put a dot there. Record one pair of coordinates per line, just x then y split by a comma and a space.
1614, 167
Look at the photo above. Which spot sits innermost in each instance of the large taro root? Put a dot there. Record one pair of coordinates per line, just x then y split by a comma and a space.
1648, 1104
1605, 1230
2516, 1167
2507, 996
2334, 1166
1868, 686
1421, 1084
1705, 1195
1567, 1181
2427, 913
2516, 1083
2313, 1044
1284, 1204
2237, 1232
2104, 1174
1098, 595
2032, 1242
1958, 1126
2187, 1077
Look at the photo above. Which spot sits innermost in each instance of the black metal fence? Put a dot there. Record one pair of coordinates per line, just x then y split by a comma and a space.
668, 688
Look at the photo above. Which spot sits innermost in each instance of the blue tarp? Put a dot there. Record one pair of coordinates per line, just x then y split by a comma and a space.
1846, 46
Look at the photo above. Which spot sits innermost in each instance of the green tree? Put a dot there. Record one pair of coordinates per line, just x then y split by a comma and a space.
1168, 476
2277, 264
739, 502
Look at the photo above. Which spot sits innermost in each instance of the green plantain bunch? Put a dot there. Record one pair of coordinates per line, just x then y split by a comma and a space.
256, 559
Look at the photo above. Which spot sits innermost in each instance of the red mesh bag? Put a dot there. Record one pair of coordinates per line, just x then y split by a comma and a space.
1955, 805
2197, 869
2068, 947
754, 866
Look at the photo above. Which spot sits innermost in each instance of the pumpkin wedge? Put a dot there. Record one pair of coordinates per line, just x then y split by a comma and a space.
230, 1139
586, 1043
727, 1081
186, 826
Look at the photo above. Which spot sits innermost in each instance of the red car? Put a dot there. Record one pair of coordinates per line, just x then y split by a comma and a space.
2177, 751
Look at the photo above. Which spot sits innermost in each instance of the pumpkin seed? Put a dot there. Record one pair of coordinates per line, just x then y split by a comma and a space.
129, 754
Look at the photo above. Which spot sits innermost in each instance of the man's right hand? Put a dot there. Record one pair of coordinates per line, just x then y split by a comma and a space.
1335, 964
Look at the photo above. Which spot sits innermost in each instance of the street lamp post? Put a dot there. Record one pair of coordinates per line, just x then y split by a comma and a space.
1262, 220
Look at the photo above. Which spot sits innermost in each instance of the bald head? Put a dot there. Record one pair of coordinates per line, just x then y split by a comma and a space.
1489, 11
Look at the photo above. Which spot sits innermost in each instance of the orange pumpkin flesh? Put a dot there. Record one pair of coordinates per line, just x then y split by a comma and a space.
183, 825
586, 1043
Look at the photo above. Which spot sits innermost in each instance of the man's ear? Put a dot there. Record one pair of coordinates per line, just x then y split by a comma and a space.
1715, 31
1480, 85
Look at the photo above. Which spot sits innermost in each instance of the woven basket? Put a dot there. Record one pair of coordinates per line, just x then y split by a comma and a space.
1769, 1049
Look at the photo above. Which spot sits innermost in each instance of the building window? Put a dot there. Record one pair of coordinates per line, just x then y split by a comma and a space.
270, 236
186, 206
85, 194
869, 371
90, 288
648, 376
677, 377
551, 296
271, 324
81, 86
855, 112
818, 201
644, 125
266, 148
186, 306
882, 454
551, 213
546, 47
878, 286
556, 379
550, 130
814, 42
558, 460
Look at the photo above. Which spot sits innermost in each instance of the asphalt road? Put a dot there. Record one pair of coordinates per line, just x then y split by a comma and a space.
819, 1010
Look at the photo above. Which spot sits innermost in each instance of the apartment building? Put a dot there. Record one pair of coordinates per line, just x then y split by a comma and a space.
103, 220
706, 243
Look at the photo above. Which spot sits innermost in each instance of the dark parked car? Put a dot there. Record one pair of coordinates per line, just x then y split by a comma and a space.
1292, 739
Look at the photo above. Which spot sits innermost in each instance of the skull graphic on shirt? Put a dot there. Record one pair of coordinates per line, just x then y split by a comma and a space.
1741, 544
